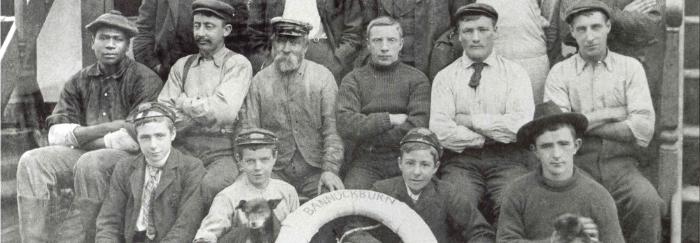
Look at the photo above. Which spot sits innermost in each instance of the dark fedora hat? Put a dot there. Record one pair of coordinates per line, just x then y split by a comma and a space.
546, 114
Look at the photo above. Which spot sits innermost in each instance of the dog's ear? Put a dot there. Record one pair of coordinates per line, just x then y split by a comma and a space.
241, 204
273, 203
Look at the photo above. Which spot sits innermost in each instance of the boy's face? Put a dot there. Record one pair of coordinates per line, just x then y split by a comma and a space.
555, 150
417, 168
155, 140
257, 165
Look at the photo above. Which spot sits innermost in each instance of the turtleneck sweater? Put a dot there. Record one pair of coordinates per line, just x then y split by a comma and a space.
367, 96
532, 203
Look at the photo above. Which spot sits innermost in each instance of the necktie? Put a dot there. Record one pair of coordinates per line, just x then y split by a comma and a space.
148, 194
476, 76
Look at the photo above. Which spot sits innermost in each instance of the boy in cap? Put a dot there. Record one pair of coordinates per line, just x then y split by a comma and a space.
611, 90
533, 202
256, 153
153, 197
207, 90
87, 131
334, 36
450, 215
477, 105
295, 99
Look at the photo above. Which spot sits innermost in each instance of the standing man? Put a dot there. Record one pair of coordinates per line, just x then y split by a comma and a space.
207, 90
533, 202
335, 34
478, 104
450, 215
422, 23
295, 99
153, 197
87, 132
611, 90
165, 33
378, 103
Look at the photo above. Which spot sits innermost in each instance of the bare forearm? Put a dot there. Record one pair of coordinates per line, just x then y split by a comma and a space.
89, 133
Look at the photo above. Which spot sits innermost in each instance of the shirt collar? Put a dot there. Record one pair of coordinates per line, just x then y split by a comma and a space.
581, 64
413, 196
95, 71
489, 61
218, 57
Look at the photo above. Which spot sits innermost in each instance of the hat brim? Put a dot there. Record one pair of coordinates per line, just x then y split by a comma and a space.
527, 131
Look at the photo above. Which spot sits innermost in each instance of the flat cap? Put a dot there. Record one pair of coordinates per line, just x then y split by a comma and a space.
424, 136
290, 27
255, 136
477, 9
218, 8
586, 5
113, 18
151, 109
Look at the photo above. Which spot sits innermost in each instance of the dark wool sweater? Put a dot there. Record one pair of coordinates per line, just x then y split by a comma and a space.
531, 203
370, 93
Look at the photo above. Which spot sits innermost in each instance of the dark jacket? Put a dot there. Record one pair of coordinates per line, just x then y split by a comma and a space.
444, 209
176, 208
341, 19
431, 18
165, 32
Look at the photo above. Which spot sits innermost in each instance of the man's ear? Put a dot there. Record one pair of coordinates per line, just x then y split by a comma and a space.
577, 144
273, 203
241, 204
228, 28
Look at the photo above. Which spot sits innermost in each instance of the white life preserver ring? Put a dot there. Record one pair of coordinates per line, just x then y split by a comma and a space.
303, 223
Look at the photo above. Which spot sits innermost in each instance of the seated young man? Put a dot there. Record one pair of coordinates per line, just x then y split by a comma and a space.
450, 216
154, 197
256, 153
533, 202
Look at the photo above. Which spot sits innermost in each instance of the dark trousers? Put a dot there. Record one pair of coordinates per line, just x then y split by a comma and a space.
485, 172
370, 166
639, 205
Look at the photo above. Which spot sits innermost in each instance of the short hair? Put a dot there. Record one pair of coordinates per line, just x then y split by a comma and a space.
467, 18
410, 147
238, 150
553, 127
384, 21
144, 121
587, 12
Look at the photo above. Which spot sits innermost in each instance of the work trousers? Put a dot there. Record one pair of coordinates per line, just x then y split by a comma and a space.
370, 166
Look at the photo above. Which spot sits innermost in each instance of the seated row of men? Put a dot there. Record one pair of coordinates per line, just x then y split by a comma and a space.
475, 107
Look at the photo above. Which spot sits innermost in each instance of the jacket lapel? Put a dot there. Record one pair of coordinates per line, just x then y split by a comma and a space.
169, 171
137, 178
426, 195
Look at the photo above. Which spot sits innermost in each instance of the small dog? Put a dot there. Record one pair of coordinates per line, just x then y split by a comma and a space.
261, 225
570, 230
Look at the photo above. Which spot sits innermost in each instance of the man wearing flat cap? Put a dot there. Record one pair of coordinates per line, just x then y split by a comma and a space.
477, 105
153, 197
533, 202
87, 131
334, 37
165, 32
207, 90
611, 90
450, 215
295, 99
256, 153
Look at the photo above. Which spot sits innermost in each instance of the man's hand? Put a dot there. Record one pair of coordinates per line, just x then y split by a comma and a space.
397, 119
640, 6
331, 181
116, 125
121, 140
589, 228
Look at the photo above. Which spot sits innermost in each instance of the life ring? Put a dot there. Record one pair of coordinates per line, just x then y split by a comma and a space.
303, 223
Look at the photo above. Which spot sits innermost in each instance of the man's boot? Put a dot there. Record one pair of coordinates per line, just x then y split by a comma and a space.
89, 209
33, 213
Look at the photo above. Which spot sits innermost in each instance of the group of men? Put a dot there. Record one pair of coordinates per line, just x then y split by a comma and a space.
156, 161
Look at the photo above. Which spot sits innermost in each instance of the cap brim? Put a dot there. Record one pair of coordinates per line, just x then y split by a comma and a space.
526, 132
94, 26
473, 12
217, 13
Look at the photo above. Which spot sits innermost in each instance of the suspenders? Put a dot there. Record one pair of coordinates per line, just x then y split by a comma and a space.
191, 59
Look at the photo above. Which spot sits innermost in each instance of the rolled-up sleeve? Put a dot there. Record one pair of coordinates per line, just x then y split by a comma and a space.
62, 134
641, 116
442, 114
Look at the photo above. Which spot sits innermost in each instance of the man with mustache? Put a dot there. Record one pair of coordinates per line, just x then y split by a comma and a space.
477, 105
153, 197
295, 99
207, 90
611, 90
450, 215
87, 131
